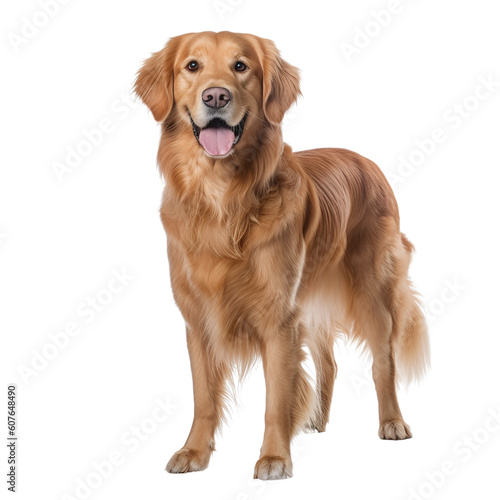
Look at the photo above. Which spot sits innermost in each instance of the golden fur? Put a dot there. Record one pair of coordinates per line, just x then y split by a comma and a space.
271, 251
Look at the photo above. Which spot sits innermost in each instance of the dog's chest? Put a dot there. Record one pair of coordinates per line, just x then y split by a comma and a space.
207, 272
209, 253
231, 262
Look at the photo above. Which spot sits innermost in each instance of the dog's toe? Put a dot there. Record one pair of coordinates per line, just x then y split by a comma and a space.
186, 460
394, 429
273, 468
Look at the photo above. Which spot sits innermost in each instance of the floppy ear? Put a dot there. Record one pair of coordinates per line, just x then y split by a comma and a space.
281, 83
155, 81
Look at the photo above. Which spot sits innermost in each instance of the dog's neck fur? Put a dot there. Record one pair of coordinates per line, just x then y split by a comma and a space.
227, 194
212, 186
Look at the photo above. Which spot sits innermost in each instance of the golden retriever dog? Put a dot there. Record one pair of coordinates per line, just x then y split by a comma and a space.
273, 253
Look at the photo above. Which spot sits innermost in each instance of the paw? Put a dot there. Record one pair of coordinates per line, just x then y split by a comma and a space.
186, 460
273, 468
394, 429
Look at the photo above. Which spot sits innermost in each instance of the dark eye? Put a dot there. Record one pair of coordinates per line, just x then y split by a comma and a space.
239, 66
192, 66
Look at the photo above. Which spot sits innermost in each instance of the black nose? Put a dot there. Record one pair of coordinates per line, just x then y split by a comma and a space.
216, 97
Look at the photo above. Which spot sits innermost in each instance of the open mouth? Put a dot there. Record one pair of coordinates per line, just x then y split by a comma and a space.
218, 138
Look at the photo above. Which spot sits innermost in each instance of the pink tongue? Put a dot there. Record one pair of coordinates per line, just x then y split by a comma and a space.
217, 141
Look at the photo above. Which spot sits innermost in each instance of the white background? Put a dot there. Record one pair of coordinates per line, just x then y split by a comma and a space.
61, 240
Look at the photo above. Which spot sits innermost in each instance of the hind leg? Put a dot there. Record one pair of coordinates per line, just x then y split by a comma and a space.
377, 328
392, 425
321, 348
408, 343
378, 264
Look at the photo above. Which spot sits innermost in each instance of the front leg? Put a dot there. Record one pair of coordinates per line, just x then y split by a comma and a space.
289, 402
209, 381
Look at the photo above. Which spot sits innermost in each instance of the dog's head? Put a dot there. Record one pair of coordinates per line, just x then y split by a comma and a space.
224, 86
